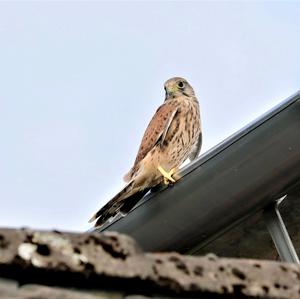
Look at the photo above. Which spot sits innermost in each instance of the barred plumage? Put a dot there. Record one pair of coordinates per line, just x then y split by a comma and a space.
173, 135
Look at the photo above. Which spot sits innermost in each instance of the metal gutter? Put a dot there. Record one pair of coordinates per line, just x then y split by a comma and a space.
237, 178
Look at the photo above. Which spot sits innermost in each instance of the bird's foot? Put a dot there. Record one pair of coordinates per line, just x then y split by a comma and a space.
168, 176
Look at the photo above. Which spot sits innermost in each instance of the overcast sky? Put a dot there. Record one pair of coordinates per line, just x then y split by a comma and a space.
80, 81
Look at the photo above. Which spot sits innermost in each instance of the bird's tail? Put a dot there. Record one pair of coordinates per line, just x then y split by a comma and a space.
123, 202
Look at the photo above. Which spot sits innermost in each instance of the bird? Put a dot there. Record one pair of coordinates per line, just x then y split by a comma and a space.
173, 135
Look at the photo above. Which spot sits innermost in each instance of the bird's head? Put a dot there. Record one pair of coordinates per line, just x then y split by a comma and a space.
176, 87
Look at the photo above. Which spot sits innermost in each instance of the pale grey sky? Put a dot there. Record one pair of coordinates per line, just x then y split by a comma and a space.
81, 80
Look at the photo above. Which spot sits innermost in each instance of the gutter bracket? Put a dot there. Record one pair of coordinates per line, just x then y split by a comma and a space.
279, 233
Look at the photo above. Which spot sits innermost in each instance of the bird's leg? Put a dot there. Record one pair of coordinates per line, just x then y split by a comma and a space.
167, 175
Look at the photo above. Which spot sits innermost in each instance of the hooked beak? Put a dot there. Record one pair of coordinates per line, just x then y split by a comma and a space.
169, 93
166, 93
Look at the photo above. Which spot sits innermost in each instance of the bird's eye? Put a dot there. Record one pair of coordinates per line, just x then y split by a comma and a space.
180, 84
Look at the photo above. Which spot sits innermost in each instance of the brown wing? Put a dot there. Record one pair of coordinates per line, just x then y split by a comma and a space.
196, 150
155, 131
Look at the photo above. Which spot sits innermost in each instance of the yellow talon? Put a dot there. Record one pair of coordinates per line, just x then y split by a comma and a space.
167, 175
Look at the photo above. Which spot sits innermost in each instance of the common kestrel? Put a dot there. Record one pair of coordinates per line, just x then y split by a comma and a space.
172, 136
